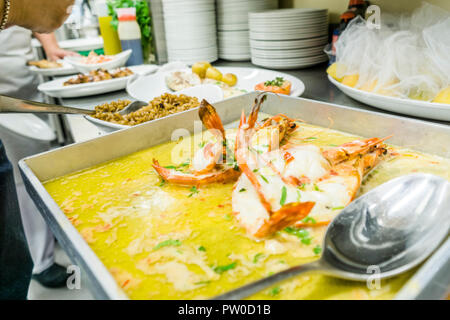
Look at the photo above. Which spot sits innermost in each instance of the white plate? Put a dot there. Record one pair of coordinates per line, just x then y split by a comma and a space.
422, 109
56, 88
291, 53
289, 44
118, 60
287, 64
147, 87
65, 70
283, 36
209, 92
27, 125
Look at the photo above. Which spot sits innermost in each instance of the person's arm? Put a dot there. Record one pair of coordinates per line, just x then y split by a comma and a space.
51, 47
38, 15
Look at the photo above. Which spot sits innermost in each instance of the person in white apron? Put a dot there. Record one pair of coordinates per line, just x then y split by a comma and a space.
17, 81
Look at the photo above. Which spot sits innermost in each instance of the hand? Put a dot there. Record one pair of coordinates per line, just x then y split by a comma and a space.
57, 53
39, 15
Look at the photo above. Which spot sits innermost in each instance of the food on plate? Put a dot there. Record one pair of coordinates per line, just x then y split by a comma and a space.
204, 73
406, 58
45, 64
200, 68
443, 96
162, 240
213, 73
180, 80
159, 107
94, 58
278, 85
98, 75
350, 80
230, 79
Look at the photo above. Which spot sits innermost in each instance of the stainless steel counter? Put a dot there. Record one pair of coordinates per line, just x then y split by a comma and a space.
315, 79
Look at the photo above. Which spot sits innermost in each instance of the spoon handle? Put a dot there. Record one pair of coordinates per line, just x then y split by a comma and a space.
254, 287
14, 105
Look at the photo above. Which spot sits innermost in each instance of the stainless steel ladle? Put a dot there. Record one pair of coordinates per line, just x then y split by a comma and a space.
389, 230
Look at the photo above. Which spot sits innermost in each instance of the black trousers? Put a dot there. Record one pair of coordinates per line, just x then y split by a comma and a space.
15, 260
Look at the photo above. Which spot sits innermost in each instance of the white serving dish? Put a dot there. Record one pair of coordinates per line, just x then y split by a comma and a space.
209, 92
147, 87
55, 88
417, 108
118, 61
65, 70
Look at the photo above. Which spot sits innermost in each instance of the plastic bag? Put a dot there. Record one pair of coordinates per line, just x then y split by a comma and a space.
408, 57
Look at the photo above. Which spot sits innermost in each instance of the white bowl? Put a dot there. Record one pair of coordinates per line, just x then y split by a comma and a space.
118, 61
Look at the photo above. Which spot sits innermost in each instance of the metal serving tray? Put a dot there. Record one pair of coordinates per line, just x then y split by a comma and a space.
431, 281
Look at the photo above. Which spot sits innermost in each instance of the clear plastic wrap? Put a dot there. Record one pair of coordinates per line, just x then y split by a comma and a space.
408, 57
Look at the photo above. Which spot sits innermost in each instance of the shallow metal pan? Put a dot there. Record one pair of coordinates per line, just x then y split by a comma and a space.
419, 135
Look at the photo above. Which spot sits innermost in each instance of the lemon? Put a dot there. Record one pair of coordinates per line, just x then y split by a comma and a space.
200, 68
350, 80
332, 71
230, 79
443, 96
213, 73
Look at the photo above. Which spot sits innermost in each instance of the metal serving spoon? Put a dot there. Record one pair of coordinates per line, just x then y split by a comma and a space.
15, 105
389, 230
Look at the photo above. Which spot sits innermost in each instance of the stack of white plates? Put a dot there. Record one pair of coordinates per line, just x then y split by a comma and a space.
232, 25
190, 27
288, 38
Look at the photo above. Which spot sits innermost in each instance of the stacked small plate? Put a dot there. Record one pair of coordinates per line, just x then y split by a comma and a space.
190, 27
288, 38
232, 25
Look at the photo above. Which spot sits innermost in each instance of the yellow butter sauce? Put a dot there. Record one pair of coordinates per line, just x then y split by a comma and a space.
162, 241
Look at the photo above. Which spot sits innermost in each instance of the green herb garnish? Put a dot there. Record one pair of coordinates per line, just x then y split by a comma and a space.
243, 190
193, 190
202, 248
309, 220
317, 249
257, 257
162, 183
227, 217
274, 291
283, 195
264, 178
337, 208
167, 243
277, 82
222, 269
298, 232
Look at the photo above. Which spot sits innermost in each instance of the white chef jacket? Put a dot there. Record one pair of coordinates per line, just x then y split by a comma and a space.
15, 78
17, 81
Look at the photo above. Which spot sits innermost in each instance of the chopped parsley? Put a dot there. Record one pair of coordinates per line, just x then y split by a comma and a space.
227, 217
298, 195
264, 178
202, 282
299, 233
170, 167
317, 249
243, 190
193, 190
337, 208
202, 144
222, 269
277, 82
162, 183
306, 241
257, 257
255, 170
283, 195
309, 220
202, 248
317, 188
170, 242
274, 291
